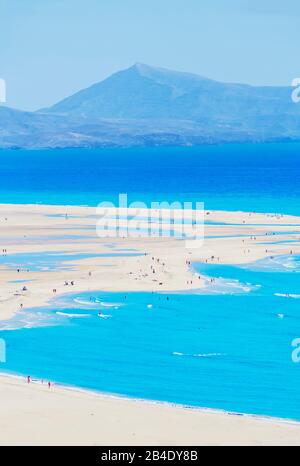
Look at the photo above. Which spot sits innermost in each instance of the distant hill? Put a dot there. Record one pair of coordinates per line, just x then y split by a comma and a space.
152, 106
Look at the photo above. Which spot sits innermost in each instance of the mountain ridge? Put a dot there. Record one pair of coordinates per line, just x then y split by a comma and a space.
144, 105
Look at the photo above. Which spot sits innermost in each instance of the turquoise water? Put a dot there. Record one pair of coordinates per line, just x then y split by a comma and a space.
227, 347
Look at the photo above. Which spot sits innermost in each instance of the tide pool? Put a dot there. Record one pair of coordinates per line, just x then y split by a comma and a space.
226, 349
51, 261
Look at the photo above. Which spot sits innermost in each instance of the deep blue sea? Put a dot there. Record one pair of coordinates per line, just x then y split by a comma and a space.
228, 347
258, 177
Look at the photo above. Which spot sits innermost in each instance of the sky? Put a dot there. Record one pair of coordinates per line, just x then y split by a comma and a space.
50, 49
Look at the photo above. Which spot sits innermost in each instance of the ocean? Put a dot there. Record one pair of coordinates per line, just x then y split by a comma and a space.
228, 347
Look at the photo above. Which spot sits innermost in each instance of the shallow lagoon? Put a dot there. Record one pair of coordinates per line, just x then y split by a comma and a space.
227, 347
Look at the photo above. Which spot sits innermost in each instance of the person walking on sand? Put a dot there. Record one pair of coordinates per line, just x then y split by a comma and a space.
49, 384
28, 379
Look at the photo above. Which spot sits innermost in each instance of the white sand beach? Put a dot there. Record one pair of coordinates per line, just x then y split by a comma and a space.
33, 414
31, 229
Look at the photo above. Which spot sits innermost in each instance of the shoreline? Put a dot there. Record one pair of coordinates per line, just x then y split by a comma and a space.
89, 207
65, 415
37, 229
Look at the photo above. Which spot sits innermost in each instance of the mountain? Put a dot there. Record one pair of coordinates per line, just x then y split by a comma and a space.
140, 92
152, 106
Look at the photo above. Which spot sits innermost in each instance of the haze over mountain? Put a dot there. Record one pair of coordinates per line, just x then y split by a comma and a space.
151, 106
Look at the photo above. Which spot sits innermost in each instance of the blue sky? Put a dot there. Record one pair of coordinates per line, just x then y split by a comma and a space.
52, 48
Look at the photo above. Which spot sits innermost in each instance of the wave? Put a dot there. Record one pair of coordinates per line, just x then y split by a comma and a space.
225, 286
28, 321
114, 305
83, 302
287, 295
204, 355
276, 264
95, 302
